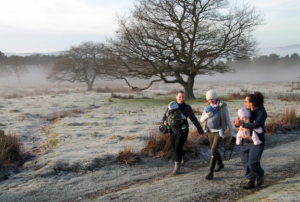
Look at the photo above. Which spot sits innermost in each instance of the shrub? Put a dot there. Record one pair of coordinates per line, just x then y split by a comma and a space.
10, 148
290, 98
113, 95
127, 156
235, 96
14, 95
102, 90
54, 117
157, 143
289, 117
286, 122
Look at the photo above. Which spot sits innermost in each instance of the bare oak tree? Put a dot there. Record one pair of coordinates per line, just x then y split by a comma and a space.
173, 41
79, 64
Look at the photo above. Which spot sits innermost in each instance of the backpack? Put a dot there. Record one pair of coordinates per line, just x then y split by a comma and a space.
174, 117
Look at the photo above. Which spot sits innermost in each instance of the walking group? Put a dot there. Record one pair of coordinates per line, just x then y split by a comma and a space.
215, 121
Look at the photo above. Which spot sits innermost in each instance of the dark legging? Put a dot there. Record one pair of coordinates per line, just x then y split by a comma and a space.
215, 141
178, 139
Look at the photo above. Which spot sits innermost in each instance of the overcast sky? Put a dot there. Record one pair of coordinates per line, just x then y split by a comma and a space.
55, 25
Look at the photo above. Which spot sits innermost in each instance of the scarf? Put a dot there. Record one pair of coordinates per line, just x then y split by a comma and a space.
215, 105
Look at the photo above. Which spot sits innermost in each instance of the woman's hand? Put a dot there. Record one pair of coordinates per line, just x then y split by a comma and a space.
165, 123
238, 122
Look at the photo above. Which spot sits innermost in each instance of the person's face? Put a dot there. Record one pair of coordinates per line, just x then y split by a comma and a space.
212, 101
248, 104
180, 97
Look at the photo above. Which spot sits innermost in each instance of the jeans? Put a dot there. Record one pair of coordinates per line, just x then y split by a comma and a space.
250, 156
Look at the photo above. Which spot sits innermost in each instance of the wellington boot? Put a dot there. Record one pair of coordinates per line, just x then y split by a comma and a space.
220, 164
176, 170
219, 167
212, 165
185, 159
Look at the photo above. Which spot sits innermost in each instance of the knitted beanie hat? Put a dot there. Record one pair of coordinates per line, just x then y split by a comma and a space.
211, 94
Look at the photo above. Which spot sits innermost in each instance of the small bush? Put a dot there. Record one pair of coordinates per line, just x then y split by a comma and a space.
157, 143
289, 117
235, 96
14, 95
127, 156
113, 95
102, 90
54, 117
290, 98
286, 122
10, 148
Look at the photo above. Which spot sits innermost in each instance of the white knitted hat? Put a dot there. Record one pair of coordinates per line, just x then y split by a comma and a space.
211, 94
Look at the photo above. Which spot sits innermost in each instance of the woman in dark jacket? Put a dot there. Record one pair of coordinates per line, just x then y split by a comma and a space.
179, 136
250, 153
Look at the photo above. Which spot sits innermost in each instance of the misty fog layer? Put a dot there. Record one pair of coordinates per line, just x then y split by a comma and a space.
37, 77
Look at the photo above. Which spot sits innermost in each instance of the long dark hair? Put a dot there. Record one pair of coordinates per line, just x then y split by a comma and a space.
257, 99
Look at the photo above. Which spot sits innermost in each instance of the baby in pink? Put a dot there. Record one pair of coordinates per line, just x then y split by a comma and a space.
244, 116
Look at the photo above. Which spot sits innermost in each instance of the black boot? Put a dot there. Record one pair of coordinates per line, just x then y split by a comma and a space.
259, 180
212, 165
220, 164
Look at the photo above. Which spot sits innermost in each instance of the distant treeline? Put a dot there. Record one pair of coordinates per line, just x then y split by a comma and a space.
32, 60
18, 65
47, 61
265, 61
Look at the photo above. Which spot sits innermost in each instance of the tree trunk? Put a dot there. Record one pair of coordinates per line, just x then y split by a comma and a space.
90, 86
188, 87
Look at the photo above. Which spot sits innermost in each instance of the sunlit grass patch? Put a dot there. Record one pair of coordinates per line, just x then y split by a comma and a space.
113, 137
13, 111
129, 137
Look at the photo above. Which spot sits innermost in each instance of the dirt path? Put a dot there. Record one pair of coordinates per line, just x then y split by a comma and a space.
152, 181
279, 162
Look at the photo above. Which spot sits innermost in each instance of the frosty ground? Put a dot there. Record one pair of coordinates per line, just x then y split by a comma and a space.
75, 156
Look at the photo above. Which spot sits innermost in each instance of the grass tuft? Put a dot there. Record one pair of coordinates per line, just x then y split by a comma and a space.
128, 156
286, 122
10, 148
158, 143
113, 95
